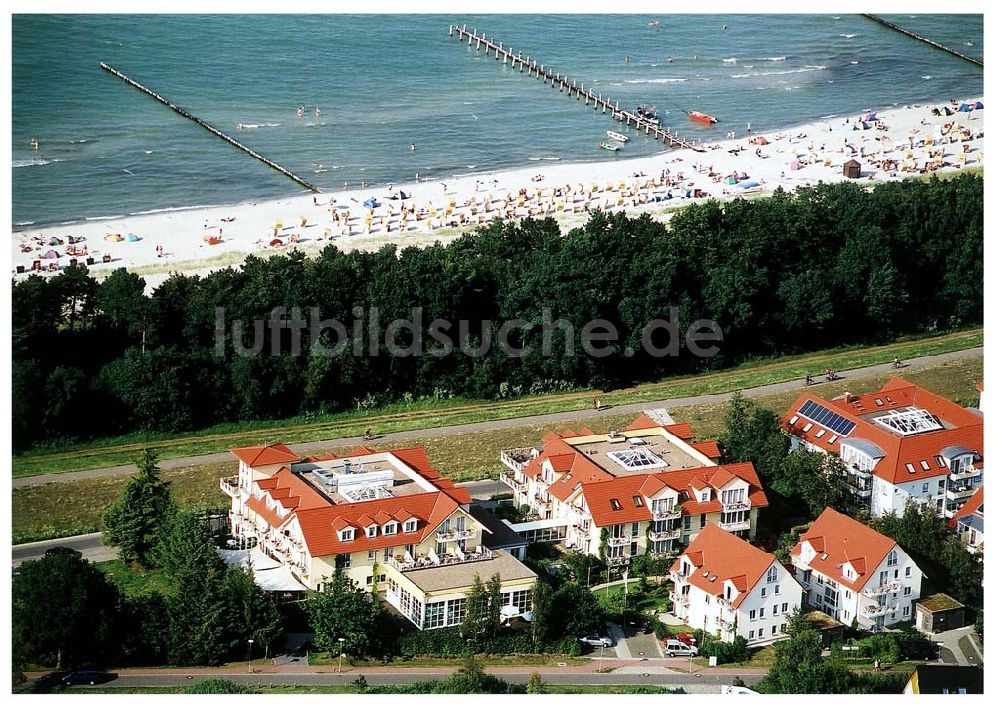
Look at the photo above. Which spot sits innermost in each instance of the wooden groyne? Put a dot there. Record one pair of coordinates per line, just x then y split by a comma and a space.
917, 37
562, 82
211, 129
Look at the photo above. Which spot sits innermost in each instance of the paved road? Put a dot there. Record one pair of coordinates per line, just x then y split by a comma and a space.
90, 544
339, 443
950, 641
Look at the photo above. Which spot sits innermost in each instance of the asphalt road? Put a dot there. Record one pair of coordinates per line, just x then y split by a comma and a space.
340, 443
92, 549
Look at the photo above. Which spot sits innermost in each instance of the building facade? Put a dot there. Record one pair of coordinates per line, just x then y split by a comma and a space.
852, 572
387, 520
898, 445
969, 523
648, 489
727, 587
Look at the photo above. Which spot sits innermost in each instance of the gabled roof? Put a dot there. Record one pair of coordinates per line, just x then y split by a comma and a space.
320, 526
719, 556
261, 455
842, 539
899, 458
599, 494
973, 507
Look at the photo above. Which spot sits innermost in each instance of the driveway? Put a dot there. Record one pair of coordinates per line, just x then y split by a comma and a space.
960, 646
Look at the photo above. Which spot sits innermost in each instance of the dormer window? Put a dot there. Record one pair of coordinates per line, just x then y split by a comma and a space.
705, 496
372, 531
410, 525
389, 528
347, 534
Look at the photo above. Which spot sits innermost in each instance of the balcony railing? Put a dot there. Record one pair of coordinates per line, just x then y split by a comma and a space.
619, 560
892, 586
742, 525
515, 483
516, 458
230, 485
665, 535
678, 578
619, 540
427, 562
957, 493
667, 514
679, 598
455, 534
738, 506
873, 611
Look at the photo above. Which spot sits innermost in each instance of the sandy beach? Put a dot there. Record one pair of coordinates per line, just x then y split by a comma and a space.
897, 143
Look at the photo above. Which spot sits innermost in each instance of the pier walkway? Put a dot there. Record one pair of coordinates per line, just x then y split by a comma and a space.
211, 129
917, 37
563, 82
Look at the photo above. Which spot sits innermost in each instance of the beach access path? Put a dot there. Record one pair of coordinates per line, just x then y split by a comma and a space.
487, 425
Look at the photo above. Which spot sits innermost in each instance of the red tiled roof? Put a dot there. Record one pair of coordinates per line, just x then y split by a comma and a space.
643, 422
277, 454
320, 526
681, 430
719, 556
971, 505
708, 448
599, 494
966, 429
270, 516
844, 540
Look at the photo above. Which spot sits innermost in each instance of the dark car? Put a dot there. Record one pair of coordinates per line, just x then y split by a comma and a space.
88, 677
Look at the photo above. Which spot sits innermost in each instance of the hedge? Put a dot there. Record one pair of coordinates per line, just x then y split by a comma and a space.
448, 643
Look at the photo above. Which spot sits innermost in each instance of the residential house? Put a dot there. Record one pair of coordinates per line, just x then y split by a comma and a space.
386, 519
729, 588
648, 489
968, 524
900, 444
852, 572
945, 680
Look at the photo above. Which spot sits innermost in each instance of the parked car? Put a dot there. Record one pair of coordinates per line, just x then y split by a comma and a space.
683, 637
597, 641
673, 647
87, 677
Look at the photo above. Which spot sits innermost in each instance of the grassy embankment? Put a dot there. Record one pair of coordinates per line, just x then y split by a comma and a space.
428, 414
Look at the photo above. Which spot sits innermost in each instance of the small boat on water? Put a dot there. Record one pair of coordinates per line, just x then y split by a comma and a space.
615, 136
648, 114
609, 146
701, 118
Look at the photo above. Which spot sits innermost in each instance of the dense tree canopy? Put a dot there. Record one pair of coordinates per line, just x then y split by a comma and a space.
824, 266
134, 521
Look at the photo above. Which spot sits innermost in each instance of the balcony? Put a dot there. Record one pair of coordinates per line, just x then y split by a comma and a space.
892, 586
873, 611
807, 585
515, 483
433, 560
738, 506
618, 560
740, 526
230, 485
667, 514
516, 458
678, 578
665, 535
959, 493
619, 540
680, 599
455, 535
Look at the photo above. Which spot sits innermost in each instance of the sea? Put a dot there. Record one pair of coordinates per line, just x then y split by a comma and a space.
386, 83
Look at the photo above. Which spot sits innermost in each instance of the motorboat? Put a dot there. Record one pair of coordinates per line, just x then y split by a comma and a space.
615, 136
607, 145
648, 114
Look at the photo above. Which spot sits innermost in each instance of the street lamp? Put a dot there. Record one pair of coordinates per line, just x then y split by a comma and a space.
249, 648
340, 658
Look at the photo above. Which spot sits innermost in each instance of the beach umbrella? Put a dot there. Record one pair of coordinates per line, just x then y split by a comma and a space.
132, 237
51, 255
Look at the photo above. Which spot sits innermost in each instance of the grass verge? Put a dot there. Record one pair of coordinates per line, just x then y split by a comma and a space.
75, 507
429, 414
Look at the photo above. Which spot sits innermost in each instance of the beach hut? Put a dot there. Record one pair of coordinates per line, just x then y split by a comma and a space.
852, 169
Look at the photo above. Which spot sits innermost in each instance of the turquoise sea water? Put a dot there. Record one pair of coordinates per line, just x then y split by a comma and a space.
384, 82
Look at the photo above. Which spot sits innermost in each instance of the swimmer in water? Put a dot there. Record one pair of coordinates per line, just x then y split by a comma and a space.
317, 111
239, 126
301, 110
34, 143
413, 147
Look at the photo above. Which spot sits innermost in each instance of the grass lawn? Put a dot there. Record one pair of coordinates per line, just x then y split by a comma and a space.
67, 508
425, 414
656, 598
133, 581
549, 689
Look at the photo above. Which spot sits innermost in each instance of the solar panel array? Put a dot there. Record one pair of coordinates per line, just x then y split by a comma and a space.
827, 418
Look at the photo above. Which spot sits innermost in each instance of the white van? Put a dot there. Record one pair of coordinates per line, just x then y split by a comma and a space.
674, 647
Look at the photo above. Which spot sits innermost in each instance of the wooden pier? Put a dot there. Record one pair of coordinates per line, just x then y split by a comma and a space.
211, 129
523, 63
917, 37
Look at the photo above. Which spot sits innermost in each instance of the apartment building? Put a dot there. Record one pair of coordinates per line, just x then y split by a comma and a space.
968, 522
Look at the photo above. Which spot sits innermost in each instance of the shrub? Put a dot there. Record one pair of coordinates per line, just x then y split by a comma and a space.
217, 686
448, 643
734, 652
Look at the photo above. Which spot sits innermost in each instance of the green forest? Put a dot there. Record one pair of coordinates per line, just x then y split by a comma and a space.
817, 268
